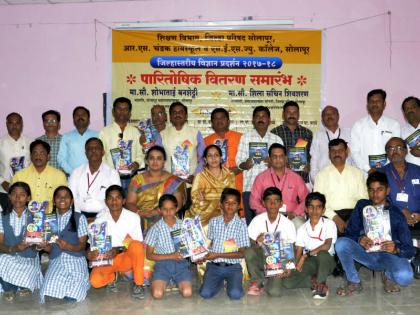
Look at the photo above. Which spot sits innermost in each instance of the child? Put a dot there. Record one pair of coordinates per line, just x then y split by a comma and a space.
160, 248
67, 275
229, 238
267, 222
315, 246
122, 225
20, 270
393, 257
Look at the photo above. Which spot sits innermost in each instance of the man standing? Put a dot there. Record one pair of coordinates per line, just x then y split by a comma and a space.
319, 147
42, 178
123, 140
370, 134
159, 119
89, 182
252, 156
290, 131
14, 154
183, 144
411, 110
51, 122
291, 185
342, 184
71, 153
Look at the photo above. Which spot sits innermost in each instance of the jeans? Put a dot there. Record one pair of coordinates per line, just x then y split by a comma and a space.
8, 287
249, 213
396, 268
214, 279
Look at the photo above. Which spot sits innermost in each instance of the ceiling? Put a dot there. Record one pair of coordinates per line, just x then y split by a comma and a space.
20, 2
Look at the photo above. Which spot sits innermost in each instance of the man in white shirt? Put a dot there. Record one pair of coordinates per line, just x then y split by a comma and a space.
89, 181
411, 110
370, 134
262, 138
271, 221
14, 153
319, 148
342, 184
124, 227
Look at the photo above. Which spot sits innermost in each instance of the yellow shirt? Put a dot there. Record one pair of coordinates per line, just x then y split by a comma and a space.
42, 184
342, 190
110, 139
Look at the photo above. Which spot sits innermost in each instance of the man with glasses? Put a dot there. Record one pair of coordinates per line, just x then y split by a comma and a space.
51, 122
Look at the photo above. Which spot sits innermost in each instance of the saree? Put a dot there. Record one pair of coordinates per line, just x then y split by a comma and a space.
205, 194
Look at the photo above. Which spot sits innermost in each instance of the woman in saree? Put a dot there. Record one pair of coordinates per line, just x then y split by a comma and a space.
146, 188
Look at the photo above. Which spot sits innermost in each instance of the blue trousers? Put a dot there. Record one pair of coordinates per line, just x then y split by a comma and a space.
214, 279
8, 287
396, 268
249, 213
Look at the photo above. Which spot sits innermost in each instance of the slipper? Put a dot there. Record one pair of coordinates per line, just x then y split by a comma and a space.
350, 288
389, 285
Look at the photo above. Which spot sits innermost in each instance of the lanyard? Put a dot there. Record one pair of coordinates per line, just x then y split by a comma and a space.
328, 136
398, 181
278, 221
284, 182
320, 232
91, 183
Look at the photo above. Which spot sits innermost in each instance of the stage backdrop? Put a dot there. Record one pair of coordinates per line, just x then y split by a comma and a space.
235, 69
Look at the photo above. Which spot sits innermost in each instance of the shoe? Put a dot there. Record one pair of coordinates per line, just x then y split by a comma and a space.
112, 287
24, 292
138, 292
255, 289
389, 285
321, 292
9, 296
314, 284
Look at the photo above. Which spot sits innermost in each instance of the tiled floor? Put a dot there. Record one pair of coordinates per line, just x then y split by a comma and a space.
372, 301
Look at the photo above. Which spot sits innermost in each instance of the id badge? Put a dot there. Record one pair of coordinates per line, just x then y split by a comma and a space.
402, 196
229, 246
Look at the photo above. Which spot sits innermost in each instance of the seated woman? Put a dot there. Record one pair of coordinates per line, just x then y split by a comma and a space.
208, 186
67, 275
20, 269
146, 188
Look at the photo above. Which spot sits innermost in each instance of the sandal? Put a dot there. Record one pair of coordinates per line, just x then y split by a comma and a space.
389, 285
24, 292
9, 296
350, 288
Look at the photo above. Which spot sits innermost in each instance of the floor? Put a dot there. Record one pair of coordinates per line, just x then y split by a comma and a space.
372, 301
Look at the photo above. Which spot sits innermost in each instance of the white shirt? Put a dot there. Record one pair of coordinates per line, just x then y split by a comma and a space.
260, 223
407, 130
310, 239
319, 148
368, 138
10, 148
92, 199
243, 154
128, 223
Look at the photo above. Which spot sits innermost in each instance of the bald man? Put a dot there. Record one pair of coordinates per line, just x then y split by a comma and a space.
319, 149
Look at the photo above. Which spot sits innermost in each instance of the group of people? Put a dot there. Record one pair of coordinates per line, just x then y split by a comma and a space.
238, 197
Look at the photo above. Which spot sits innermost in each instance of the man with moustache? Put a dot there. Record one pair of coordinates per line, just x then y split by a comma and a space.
370, 134
411, 110
290, 131
260, 134
72, 147
159, 119
319, 147
342, 184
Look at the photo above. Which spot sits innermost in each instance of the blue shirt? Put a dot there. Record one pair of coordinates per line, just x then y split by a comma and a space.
159, 237
400, 232
72, 149
409, 184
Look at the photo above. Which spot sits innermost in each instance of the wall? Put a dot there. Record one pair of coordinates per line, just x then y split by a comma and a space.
55, 56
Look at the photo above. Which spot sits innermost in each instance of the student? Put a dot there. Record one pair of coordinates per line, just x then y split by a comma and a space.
160, 248
394, 256
121, 224
20, 270
67, 275
270, 221
315, 246
229, 238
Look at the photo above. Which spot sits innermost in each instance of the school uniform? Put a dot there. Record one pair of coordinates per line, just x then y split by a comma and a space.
225, 237
67, 275
159, 237
18, 270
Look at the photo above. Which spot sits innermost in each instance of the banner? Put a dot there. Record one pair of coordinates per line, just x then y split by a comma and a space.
235, 69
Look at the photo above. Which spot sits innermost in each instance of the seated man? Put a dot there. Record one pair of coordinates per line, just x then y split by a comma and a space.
393, 255
229, 238
120, 224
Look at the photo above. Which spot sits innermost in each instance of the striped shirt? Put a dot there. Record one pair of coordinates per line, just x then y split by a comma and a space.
55, 147
17, 223
159, 237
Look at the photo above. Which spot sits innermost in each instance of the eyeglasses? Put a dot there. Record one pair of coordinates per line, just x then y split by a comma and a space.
396, 148
50, 121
